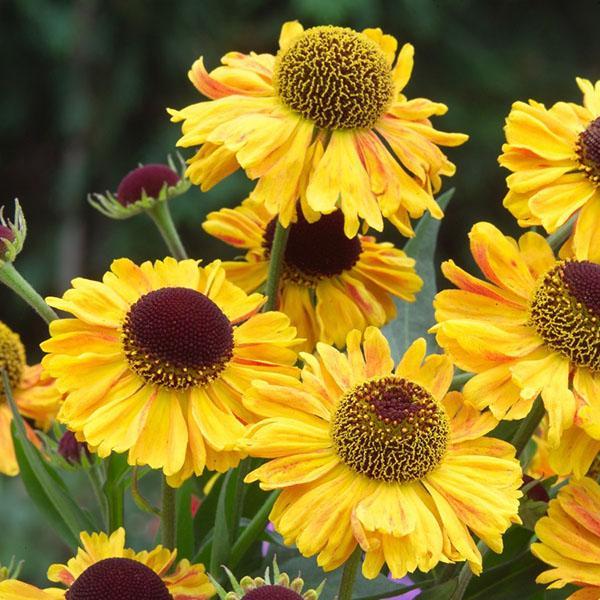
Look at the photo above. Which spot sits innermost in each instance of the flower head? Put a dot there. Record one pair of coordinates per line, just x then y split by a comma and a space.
331, 283
275, 587
384, 457
141, 189
569, 539
12, 234
156, 358
554, 156
327, 117
104, 569
533, 329
35, 394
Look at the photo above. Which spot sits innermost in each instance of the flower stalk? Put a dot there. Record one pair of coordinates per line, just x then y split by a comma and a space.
168, 515
12, 279
349, 575
276, 265
161, 215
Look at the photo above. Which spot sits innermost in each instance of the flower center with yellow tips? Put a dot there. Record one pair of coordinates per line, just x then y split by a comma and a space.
12, 357
390, 429
336, 77
587, 148
316, 250
565, 311
177, 337
271, 592
118, 579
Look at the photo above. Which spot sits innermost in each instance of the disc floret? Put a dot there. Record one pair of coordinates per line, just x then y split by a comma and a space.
587, 149
336, 77
390, 429
565, 311
12, 356
118, 579
177, 337
315, 251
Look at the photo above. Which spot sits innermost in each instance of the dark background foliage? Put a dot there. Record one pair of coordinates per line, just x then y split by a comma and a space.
84, 89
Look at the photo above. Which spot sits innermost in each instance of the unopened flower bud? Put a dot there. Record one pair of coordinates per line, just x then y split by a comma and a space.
141, 189
148, 180
12, 234
535, 492
70, 449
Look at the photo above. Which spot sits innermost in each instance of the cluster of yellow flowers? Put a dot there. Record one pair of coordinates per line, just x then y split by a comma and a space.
187, 367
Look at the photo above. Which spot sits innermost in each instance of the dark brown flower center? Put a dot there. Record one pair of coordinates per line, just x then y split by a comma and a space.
177, 337
118, 579
316, 250
390, 429
12, 357
336, 77
588, 151
272, 592
565, 311
149, 178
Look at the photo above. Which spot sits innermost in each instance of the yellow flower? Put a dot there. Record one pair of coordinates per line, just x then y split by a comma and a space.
310, 124
156, 359
331, 283
570, 539
554, 154
383, 457
535, 329
34, 392
104, 569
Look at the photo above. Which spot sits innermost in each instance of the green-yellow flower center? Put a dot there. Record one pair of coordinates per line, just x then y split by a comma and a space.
390, 429
177, 337
12, 357
565, 311
336, 77
587, 148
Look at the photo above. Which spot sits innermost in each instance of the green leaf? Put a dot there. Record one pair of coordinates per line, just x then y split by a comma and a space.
43, 483
531, 511
221, 545
415, 318
437, 592
205, 515
253, 530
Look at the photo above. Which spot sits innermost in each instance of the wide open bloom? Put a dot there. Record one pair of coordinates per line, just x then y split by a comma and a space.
570, 539
534, 329
331, 284
34, 392
554, 154
384, 457
156, 359
309, 124
105, 570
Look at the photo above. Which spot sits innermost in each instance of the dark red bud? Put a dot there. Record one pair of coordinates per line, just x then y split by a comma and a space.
149, 178
70, 449
537, 492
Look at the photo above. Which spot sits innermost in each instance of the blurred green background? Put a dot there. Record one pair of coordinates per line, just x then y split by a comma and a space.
84, 89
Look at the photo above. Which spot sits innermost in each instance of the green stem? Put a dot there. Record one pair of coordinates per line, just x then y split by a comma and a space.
116, 508
557, 238
138, 497
519, 440
459, 380
243, 469
96, 484
10, 277
161, 215
167, 515
465, 575
349, 575
528, 426
276, 265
